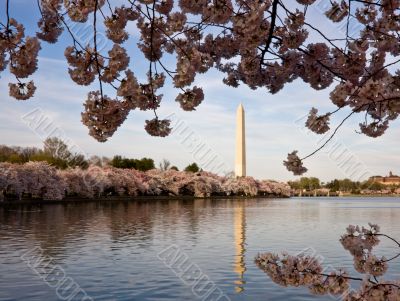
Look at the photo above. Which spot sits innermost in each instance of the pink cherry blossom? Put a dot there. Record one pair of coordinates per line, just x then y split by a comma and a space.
294, 164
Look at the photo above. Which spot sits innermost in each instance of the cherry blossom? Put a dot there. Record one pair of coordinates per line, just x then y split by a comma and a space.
118, 61
22, 91
37, 179
241, 186
103, 115
302, 270
23, 60
40, 180
50, 25
338, 11
79, 10
157, 127
374, 129
130, 90
317, 124
84, 65
190, 99
117, 22
294, 164
305, 270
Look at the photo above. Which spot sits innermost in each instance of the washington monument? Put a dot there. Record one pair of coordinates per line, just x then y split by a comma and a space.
240, 161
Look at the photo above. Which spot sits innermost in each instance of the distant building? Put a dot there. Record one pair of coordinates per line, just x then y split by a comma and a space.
389, 180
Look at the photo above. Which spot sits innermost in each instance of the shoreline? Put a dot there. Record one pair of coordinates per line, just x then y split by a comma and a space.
75, 200
147, 198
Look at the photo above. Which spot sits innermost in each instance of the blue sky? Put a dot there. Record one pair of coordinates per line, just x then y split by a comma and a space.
272, 121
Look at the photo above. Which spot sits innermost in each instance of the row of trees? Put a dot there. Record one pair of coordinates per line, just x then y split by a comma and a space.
57, 153
351, 186
345, 185
305, 183
145, 164
139, 164
54, 151
40, 180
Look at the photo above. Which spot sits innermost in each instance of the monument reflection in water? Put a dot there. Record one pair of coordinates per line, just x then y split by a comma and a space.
239, 210
240, 240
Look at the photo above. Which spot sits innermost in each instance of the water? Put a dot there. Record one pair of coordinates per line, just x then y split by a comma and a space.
112, 250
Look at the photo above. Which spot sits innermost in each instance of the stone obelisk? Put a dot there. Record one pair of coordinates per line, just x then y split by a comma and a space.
240, 162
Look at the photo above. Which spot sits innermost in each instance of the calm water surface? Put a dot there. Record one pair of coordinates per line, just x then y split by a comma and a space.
111, 250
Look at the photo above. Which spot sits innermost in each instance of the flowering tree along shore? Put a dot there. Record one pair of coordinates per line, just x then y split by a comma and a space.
41, 181
303, 270
262, 44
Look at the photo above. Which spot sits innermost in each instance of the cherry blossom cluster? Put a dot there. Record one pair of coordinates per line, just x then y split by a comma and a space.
262, 44
241, 186
304, 270
79, 10
20, 54
40, 180
294, 164
117, 22
157, 127
190, 99
103, 115
37, 179
82, 64
318, 124
381, 291
50, 25
359, 241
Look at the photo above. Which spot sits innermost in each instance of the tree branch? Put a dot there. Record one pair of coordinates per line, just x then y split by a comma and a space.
271, 29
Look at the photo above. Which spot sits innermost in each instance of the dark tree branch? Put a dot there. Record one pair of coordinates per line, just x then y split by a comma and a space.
95, 47
271, 29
